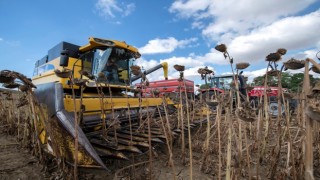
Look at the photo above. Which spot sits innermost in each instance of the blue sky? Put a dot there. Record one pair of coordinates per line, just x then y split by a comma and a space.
178, 32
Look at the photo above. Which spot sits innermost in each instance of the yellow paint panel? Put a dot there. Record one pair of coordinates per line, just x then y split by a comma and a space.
93, 104
50, 76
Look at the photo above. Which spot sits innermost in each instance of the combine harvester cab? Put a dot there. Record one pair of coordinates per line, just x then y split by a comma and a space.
96, 75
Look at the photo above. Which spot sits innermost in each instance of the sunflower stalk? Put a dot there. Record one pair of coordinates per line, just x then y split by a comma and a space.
218, 118
167, 135
308, 142
189, 131
182, 126
75, 170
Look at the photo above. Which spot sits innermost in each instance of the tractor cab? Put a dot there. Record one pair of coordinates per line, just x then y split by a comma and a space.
219, 84
222, 82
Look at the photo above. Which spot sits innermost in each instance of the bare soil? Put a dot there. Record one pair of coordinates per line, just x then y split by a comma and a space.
17, 162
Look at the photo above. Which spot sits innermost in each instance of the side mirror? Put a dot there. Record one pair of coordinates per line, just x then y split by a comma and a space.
64, 58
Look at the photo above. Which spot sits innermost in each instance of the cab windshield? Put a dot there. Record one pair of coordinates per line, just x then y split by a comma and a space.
222, 82
113, 62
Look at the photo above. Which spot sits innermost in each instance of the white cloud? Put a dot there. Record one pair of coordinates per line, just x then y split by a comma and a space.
305, 54
146, 64
236, 16
198, 25
253, 74
168, 45
129, 8
111, 9
1, 39
189, 8
292, 33
252, 29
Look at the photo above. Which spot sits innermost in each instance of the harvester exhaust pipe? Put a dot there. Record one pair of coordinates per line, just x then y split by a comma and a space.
163, 65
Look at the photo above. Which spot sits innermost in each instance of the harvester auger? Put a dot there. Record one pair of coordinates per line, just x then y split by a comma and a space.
83, 89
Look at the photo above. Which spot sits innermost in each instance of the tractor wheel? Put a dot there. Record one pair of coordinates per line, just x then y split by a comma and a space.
208, 95
273, 108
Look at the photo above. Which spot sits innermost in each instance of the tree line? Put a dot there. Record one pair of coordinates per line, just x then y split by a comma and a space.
293, 82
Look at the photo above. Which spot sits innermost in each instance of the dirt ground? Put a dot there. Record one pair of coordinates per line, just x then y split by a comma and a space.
17, 162
160, 171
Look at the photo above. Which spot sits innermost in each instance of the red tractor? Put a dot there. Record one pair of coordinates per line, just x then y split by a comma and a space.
219, 84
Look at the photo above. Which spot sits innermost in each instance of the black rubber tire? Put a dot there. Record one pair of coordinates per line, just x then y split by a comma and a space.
208, 95
273, 108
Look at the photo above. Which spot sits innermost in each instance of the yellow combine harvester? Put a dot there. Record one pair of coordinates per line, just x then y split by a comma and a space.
96, 75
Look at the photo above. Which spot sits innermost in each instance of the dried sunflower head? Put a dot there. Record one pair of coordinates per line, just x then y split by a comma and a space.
316, 87
282, 51
23, 88
274, 57
204, 71
221, 48
135, 68
101, 75
6, 76
246, 115
87, 74
315, 69
65, 73
273, 72
294, 64
242, 65
179, 67
156, 92
80, 82
11, 85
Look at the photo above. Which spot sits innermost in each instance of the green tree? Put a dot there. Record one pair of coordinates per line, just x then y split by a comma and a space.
296, 82
293, 82
204, 86
286, 79
258, 81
